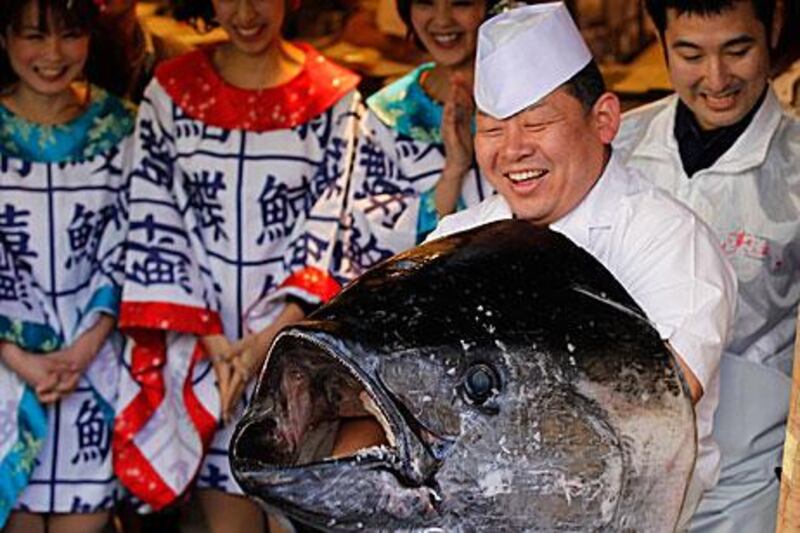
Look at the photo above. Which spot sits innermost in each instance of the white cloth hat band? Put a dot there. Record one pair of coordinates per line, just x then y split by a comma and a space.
523, 55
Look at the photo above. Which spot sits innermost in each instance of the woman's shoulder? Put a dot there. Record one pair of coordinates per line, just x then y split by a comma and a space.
112, 119
194, 85
399, 89
405, 107
186, 67
103, 124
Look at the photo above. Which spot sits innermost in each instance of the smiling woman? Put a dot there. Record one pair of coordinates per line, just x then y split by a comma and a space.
46, 59
446, 29
46, 51
252, 27
416, 138
64, 229
78, 35
202, 14
252, 139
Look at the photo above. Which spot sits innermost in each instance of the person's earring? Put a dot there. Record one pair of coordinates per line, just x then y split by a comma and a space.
87, 93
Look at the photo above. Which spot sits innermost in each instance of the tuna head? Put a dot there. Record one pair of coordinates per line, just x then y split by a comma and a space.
517, 386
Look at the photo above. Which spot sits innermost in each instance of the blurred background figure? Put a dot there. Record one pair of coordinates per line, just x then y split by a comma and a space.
142, 49
724, 146
786, 54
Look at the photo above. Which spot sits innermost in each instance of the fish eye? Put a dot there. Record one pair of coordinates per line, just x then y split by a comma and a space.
481, 383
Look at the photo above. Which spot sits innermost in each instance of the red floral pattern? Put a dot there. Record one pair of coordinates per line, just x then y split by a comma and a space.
169, 317
193, 84
314, 281
146, 325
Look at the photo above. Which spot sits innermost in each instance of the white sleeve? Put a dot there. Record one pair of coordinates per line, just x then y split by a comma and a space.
676, 271
449, 225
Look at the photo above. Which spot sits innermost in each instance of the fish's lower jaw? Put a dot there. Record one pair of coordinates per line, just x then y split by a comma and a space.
379, 451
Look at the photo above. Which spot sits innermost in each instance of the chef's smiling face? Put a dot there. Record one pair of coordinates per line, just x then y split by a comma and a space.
546, 158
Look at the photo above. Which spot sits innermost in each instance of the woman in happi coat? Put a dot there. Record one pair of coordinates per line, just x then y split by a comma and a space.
238, 185
414, 162
24, 372
62, 226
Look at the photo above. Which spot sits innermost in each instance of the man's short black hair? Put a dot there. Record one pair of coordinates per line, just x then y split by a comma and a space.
587, 85
657, 9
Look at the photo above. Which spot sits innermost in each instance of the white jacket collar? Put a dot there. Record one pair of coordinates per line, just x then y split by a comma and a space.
749, 150
598, 208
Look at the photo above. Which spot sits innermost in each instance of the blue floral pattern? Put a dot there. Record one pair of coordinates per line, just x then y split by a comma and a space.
104, 123
405, 107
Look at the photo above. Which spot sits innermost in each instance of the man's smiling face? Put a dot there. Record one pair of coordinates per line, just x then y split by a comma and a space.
546, 158
718, 63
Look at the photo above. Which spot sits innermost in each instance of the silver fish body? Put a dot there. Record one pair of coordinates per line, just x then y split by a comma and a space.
518, 385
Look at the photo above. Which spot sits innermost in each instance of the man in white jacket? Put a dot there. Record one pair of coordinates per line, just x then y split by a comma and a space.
723, 146
544, 128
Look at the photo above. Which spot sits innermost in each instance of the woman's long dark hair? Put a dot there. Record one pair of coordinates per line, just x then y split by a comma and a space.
194, 11
101, 67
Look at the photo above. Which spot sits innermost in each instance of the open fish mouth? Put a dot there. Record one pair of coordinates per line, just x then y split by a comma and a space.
312, 408
324, 443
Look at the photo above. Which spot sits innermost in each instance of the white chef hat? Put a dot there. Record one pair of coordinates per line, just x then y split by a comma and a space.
523, 55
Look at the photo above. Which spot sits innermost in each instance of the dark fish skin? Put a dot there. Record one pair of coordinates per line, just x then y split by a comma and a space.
521, 386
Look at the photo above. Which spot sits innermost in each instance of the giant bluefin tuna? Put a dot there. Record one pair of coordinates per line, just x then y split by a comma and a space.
519, 386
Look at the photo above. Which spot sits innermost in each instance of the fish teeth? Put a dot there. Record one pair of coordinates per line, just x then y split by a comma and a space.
378, 449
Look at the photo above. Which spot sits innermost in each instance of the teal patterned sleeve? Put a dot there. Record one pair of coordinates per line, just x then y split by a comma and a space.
23, 319
30, 336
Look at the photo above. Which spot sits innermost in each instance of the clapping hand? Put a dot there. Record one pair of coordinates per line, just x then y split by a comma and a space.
247, 357
457, 138
457, 126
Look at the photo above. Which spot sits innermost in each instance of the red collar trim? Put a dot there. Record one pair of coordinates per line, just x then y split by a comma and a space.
193, 84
